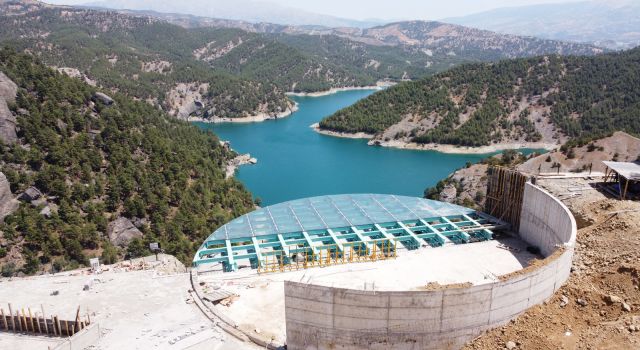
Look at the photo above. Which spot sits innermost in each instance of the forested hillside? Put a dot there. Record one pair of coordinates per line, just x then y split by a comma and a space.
213, 72
82, 162
140, 56
549, 99
233, 73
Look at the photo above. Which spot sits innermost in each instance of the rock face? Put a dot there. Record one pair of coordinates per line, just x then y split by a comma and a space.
8, 91
122, 231
99, 96
448, 194
8, 204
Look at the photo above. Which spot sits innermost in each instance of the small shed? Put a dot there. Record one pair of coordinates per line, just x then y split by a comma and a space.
626, 174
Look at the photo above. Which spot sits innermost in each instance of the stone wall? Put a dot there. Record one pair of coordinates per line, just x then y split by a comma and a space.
320, 317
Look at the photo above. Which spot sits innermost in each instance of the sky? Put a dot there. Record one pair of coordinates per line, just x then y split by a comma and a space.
405, 9
388, 9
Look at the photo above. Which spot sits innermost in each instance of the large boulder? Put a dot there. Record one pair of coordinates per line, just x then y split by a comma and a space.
122, 231
8, 203
30, 195
8, 91
99, 96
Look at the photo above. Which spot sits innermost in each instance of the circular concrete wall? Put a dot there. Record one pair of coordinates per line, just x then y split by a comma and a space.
320, 317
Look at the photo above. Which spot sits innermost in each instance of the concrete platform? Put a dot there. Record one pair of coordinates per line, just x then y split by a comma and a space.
261, 297
135, 309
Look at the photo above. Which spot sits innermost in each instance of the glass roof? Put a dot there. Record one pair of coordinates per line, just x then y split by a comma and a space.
336, 211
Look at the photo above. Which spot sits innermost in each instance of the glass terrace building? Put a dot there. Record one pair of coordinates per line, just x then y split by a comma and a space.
341, 228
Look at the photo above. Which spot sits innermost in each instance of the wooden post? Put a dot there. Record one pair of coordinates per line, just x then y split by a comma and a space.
13, 322
44, 317
66, 327
620, 185
24, 317
58, 326
626, 187
4, 320
33, 327
77, 324
38, 323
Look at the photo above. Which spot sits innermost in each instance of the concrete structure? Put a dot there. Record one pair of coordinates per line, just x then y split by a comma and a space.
340, 227
324, 317
86, 338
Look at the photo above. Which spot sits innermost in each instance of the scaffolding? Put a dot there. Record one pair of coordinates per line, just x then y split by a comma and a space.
330, 255
505, 191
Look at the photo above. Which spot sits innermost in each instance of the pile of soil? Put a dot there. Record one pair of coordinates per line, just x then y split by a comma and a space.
599, 307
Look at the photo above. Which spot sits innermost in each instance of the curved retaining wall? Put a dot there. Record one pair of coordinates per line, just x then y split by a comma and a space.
320, 317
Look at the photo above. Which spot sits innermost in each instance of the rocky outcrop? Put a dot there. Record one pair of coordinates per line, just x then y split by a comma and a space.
237, 162
8, 91
99, 96
30, 195
449, 193
8, 203
122, 231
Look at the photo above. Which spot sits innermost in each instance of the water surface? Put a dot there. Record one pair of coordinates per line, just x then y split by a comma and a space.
295, 162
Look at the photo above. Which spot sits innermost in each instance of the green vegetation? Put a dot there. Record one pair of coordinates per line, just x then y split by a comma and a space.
96, 163
113, 50
247, 73
477, 104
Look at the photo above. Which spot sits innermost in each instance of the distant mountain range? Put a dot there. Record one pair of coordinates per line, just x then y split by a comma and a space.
245, 10
431, 38
611, 23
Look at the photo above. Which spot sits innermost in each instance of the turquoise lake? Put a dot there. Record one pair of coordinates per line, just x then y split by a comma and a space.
296, 162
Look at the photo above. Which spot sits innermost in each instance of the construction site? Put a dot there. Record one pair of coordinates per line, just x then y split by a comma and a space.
368, 271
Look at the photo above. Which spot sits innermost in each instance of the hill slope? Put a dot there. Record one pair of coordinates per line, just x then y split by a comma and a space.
437, 40
215, 73
84, 166
546, 99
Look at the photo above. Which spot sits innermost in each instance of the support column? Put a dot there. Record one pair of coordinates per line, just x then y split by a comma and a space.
335, 239
361, 237
256, 246
232, 264
285, 248
309, 242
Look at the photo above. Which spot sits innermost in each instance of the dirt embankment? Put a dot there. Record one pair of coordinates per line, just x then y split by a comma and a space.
467, 185
618, 147
599, 307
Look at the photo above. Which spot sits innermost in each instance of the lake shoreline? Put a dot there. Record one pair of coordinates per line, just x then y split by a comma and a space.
294, 162
262, 117
379, 86
345, 135
452, 149
258, 118
442, 148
